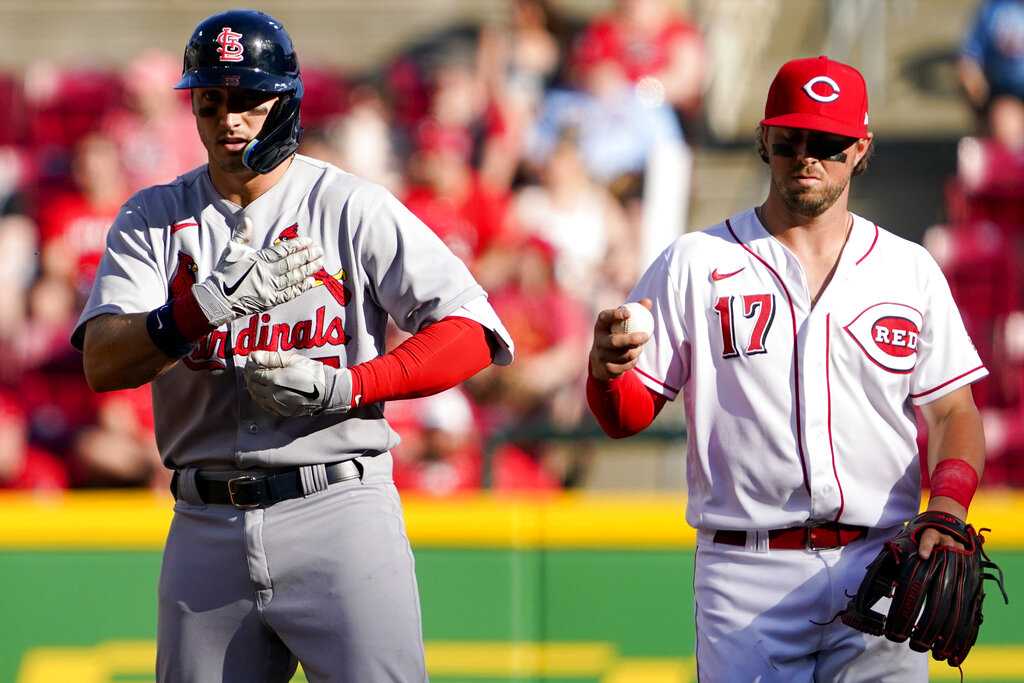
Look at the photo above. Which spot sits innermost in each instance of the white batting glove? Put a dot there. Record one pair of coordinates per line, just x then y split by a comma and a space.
247, 281
288, 384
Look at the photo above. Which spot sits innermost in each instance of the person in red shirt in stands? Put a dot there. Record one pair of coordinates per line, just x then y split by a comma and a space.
449, 196
655, 46
155, 132
120, 448
440, 453
73, 227
542, 389
24, 466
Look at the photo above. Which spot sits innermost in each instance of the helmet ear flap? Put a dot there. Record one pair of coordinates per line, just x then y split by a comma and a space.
279, 137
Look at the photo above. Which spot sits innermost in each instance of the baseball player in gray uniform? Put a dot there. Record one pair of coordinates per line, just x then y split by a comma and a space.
254, 293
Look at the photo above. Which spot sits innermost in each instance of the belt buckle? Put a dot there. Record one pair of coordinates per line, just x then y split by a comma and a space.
238, 491
809, 543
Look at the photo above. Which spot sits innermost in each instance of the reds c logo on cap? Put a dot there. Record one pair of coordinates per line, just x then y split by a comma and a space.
888, 334
818, 94
832, 96
230, 49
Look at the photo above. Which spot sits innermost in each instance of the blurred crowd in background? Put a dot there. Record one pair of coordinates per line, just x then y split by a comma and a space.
551, 154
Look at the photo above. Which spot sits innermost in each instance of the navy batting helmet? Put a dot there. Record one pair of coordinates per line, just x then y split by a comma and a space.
251, 50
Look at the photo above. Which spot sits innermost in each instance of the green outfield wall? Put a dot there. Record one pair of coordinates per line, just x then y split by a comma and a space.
561, 589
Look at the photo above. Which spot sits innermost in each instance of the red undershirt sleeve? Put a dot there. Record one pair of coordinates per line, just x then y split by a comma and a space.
434, 359
623, 406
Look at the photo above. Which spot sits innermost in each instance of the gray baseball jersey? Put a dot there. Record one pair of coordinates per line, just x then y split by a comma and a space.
380, 260
327, 579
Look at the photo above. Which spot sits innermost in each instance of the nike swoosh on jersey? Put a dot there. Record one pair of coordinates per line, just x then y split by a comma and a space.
228, 291
716, 276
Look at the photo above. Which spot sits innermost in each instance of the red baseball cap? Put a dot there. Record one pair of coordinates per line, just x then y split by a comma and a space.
818, 94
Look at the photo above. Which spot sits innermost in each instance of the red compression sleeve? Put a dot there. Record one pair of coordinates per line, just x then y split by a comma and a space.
623, 406
434, 359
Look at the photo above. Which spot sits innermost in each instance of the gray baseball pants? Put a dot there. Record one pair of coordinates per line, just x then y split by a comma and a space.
327, 580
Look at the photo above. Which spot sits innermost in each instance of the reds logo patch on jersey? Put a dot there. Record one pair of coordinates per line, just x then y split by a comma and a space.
231, 49
888, 333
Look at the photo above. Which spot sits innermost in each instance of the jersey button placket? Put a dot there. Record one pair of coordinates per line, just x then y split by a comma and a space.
816, 403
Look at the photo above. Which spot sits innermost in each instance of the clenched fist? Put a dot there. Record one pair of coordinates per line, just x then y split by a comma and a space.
615, 353
288, 384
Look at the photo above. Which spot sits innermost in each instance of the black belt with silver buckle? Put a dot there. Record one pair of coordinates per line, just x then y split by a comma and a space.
258, 489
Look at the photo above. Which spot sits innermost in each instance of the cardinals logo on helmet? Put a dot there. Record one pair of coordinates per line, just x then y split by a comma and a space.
332, 282
231, 48
888, 333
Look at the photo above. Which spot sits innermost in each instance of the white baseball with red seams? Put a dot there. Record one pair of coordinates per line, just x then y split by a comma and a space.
734, 327
639, 320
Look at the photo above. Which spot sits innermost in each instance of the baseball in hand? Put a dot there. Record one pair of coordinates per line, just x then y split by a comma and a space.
639, 320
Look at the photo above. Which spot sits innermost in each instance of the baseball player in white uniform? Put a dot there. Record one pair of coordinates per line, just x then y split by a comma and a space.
254, 293
801, 336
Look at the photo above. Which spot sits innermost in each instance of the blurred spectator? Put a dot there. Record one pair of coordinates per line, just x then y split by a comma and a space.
544, 386
992, 69
64, 105
410, 76
22, 465
656, 48
618, 125
73, 226
364, 140
595, 257
440, 450
982, 267
518, 62
52, 308
990, 178
449, 196
155, 133
17, 268
120, 449
521, 59
15, 174
319, 143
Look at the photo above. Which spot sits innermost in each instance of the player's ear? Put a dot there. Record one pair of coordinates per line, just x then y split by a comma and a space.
759, 141
863, 149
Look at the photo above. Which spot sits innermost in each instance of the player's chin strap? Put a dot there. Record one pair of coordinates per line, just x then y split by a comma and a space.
279, 137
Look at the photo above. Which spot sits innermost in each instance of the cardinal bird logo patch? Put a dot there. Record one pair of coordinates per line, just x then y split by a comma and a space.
333, 283
180, 285
888, 333
184, 276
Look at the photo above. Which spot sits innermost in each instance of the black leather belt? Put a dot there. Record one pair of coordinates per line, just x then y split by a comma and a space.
248, 490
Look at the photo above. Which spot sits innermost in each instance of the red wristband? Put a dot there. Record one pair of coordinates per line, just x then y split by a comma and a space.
190, 319
956, 479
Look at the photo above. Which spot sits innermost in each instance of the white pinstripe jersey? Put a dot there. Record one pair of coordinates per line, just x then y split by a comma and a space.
798, 414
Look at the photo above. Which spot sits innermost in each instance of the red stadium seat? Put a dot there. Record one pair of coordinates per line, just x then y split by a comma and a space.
326, 96
12, 111
64, 105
